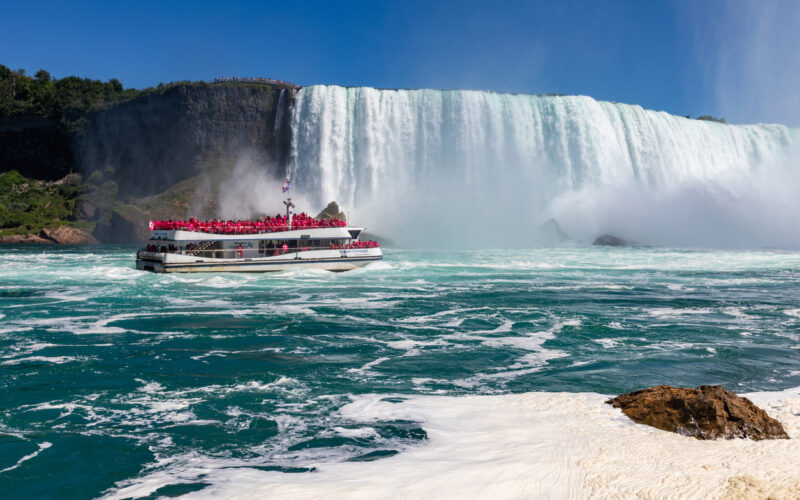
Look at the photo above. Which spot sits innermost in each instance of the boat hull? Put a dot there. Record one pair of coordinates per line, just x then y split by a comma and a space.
329, 260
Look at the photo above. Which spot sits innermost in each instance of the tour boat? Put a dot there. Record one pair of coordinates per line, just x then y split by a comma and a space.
272, 244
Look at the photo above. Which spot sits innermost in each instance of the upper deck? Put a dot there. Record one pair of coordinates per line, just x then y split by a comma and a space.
311, 233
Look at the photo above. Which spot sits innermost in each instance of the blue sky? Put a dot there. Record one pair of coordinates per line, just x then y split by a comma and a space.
737, 59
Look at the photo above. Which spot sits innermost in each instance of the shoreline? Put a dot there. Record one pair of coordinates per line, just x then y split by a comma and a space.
531, 445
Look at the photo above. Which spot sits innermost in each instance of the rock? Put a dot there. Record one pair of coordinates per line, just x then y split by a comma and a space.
87, 209
24, 239
550, 232
609, 240
707, 412
385, 242
66, 235
118, 230
332, 211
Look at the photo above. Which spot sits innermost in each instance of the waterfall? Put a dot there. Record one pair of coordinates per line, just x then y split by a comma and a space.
435, 165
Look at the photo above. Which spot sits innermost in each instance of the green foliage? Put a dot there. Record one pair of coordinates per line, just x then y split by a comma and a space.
67, 99
27, 205
710, 118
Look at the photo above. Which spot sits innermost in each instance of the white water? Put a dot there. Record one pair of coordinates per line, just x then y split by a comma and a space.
532, 445
426, 164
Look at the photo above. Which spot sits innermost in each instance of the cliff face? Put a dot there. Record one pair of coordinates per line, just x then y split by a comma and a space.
135, 156
37, 147
157, 139
160, 139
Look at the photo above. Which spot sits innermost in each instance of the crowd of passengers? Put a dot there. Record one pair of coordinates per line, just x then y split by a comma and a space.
267, 225
358, 244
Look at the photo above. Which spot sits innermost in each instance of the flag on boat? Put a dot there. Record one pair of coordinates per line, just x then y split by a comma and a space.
152, 226
286, 186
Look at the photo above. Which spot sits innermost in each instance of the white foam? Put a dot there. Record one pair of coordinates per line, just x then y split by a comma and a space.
367, 368
42, 446
607, 343
534, 445
53, 360
792, 312
669, 312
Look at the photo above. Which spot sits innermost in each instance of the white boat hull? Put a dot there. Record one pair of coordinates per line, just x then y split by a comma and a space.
329, 260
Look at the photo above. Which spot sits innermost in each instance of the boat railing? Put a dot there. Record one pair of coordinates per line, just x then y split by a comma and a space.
232, 253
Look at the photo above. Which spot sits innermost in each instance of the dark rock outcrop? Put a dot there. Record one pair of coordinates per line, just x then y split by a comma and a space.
608, 240
705, 412
332, 211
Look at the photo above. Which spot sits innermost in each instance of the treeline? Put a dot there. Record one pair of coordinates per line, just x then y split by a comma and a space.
43, 95
66, 99
710, 118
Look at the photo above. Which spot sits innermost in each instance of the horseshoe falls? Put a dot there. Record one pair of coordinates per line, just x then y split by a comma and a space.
474, 168
476, 365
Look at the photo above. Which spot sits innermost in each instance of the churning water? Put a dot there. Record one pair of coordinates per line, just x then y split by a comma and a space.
128, 384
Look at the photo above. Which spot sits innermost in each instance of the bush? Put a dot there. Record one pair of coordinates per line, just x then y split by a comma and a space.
710, 118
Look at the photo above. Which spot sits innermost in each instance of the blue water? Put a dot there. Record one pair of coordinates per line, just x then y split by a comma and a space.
109, 375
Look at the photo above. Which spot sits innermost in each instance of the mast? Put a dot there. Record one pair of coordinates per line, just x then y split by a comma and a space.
289, 206
288, 200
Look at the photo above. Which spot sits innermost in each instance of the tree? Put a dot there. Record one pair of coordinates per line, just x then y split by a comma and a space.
43, 76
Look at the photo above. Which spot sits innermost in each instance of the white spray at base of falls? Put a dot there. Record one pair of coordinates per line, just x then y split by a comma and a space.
431, 167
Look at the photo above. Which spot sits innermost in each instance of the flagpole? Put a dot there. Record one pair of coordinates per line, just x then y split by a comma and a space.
288, 201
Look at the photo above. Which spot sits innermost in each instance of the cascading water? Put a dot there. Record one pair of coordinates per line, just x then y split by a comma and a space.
432, 166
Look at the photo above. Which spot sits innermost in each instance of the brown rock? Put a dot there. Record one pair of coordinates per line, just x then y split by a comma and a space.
67, 235
332, 211
707, 412
24, 239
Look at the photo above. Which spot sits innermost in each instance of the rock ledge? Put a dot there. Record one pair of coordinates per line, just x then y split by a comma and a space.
705, 412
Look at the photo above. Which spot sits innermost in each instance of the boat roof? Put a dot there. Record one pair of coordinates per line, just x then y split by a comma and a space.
297, 234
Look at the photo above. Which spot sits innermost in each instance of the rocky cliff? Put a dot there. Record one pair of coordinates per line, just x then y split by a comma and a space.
38, 147
159, 139
135, 154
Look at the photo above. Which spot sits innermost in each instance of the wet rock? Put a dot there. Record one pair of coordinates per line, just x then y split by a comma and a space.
608, 240
87, 210
332, 211
705, 412
66, 235
551, 233
118, 230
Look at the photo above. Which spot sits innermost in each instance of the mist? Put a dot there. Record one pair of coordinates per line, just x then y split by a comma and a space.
748, 54
251, 190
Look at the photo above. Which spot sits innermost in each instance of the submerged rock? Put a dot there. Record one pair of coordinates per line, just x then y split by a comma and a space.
332, 211
609, 240
705, 412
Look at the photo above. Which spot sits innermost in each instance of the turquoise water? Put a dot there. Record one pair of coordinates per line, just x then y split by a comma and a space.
110, 375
